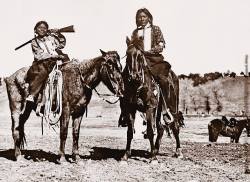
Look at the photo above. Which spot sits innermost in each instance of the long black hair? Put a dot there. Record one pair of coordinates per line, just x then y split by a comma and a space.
146, 11
39, 23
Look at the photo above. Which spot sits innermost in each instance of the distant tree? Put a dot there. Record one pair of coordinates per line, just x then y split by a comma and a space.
217, 75
207, 104
242, 73
196, 78
182, 76
227, 73
232, 74
194, 104
219, 105
1, 81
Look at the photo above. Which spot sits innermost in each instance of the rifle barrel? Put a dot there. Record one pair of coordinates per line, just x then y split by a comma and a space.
23, 44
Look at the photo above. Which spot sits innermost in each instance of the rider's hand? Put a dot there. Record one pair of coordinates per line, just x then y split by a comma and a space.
60, 57
55, 30
59, 62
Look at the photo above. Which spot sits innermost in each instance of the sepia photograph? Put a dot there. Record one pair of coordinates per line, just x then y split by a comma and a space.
125, 90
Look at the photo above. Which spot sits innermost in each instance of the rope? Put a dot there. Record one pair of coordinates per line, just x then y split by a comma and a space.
101, 96
53, 106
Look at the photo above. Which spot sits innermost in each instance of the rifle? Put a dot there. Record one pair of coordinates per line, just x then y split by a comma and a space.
67, 29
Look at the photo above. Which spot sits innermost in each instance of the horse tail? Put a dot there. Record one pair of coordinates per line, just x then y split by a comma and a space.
86, 111
15, 100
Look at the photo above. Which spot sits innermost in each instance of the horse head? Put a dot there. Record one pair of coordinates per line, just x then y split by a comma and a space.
111, 72
135, 61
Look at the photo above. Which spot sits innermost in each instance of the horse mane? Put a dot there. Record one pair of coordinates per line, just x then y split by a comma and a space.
87, 65
137, 42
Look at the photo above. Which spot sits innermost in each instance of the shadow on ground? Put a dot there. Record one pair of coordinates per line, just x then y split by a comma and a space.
100, 153
97, 153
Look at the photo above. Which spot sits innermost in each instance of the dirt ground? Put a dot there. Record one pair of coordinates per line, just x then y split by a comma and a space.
102, 145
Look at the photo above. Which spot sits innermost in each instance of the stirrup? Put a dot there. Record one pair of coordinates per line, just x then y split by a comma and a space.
39, 111
166, 119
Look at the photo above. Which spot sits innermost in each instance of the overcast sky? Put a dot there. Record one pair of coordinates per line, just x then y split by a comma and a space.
201, 35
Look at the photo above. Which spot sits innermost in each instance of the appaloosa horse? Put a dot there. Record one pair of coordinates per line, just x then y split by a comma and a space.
218, 127
78, 81
142, 94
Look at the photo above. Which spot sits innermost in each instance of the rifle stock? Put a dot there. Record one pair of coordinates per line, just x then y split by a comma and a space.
67, 29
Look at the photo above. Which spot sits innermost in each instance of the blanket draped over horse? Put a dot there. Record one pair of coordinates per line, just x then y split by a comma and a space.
143, 94
78, 81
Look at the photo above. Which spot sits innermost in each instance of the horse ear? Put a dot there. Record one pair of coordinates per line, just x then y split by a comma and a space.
103, 52
127, 40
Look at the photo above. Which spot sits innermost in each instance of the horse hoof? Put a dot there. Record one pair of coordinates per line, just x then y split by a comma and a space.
180, 156
124, 158
75, 158
154, 162
156, 151
62, 161
178, 153
123, 163
20, 158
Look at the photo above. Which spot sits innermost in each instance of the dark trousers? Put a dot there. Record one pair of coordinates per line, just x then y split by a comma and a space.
160, 71
38, 74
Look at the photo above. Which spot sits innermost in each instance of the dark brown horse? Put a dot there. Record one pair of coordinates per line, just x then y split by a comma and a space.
78, 81
142, 94
218, 127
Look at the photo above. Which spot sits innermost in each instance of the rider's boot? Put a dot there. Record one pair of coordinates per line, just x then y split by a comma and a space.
27, 109
164, 90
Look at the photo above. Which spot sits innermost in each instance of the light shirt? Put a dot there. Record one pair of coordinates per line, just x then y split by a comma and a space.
146, 34
45, 47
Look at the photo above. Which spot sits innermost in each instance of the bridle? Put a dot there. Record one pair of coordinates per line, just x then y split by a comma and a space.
108, 71
106, 68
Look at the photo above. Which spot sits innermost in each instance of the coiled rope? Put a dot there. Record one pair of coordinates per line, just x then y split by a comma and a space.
53, 96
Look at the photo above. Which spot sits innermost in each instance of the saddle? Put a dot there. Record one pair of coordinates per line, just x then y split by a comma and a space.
49, 101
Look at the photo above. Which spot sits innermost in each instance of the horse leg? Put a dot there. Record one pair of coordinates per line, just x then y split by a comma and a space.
175, 128
213, 133
64, 122
15, 134
75, 132
18, 134
167, 131
130, 121
236, 139
150, 131
160, 130
231, 139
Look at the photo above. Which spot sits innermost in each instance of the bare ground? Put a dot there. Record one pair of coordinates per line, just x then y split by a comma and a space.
102, 145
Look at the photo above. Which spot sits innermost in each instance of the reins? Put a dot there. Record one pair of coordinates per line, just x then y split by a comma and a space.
99, 94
